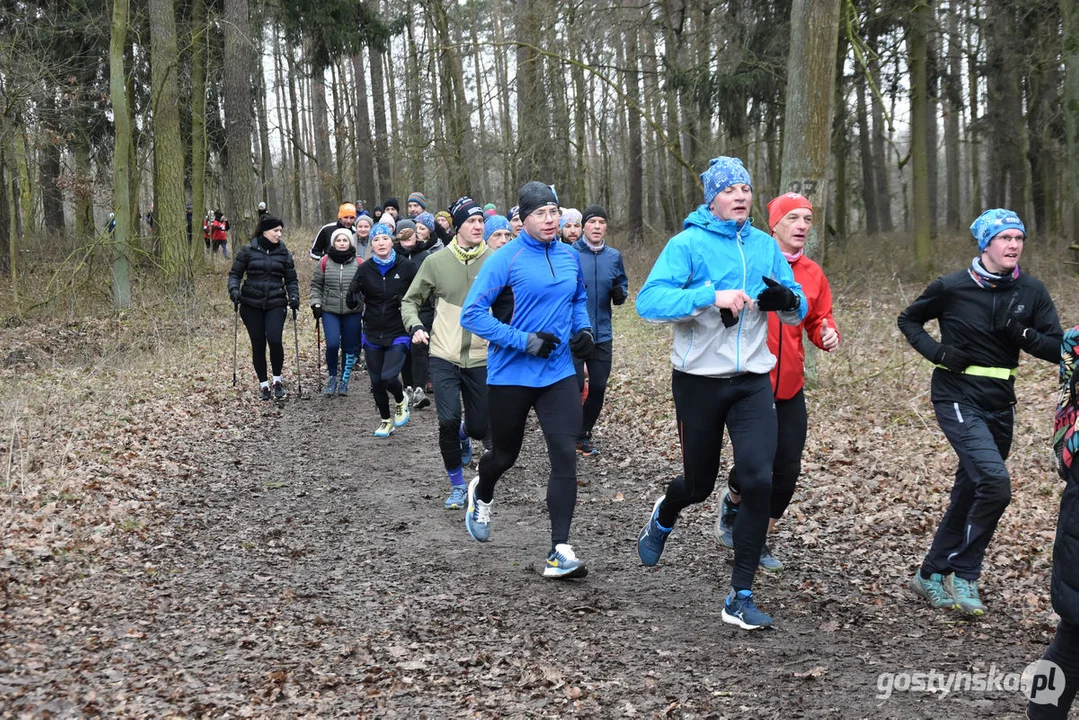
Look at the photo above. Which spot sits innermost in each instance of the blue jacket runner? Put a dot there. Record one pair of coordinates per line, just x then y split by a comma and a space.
602, 271
527, 286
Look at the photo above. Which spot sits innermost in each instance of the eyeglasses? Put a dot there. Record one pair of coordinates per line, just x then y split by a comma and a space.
546, 213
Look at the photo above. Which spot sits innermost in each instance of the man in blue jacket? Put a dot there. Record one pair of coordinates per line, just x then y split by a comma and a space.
606, 282
715, 282
529, 303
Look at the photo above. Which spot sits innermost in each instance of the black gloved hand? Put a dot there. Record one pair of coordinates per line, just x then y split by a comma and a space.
582, 343
1007, 324
234, 295
728, 318
541, 344
618, 295
316, 310
352, 301
953, 358
294, 303
776, 296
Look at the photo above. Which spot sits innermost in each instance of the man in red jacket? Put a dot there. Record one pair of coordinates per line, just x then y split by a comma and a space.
789, 216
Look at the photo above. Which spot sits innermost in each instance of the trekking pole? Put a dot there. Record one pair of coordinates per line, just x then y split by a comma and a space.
235, 335
296, 335
318, 353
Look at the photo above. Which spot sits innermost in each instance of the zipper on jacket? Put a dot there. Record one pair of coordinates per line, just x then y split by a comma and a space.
741, 315
547, 254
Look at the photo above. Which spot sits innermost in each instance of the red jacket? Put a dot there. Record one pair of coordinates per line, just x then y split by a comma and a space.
785, 341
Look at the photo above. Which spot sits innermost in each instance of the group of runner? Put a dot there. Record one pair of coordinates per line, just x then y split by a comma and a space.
518, 329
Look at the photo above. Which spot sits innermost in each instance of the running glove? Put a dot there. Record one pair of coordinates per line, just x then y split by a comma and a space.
618, 295
352, 301
316, 310
541, 344
776, 297
294, 303
234, 295
953, 358
582, 343
728, 318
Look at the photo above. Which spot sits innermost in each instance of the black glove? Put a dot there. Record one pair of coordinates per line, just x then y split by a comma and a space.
234, 295
776, 297
582, 343
316, 310
1008, 325
953, 358
618, 295
294, 302
728, 318
352, 301
541, 344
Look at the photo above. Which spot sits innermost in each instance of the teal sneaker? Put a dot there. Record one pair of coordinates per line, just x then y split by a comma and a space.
932, 590
769, 561
965, 595
457, 499
740, 610
562, 563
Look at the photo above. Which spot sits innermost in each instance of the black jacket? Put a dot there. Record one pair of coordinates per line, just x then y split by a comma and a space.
966, 312
381, 295
417, 255
321, 245
271, 276
1065, 582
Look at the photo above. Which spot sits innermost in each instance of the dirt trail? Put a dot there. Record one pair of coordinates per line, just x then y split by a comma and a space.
293, 577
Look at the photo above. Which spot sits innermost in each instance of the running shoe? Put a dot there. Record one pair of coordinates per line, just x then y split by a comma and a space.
457, 499
331, 385
342, 388
265, 393
740, 610
652, 538
477, 514
932, 590
585, 448
466, 445
965, 595
279, 390
420, 399
401, 413
728, 512
769, 561
384, 428
562, 563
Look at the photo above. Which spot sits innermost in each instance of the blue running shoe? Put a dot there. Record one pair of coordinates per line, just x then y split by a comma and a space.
331, 385
769, 561
562, 563
740, 610
652, 538
466, 445
728, 512
457, 499
477, 514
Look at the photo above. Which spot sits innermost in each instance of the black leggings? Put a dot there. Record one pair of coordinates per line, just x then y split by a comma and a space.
744, 405
454, 385
415, 371
265, 327
599, 369
384, 367
558, 408
793, 424
1064, 651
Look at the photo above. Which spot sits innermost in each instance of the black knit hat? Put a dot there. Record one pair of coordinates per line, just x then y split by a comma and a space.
392, 203
463, 209
268, 222
533, 195
593, 211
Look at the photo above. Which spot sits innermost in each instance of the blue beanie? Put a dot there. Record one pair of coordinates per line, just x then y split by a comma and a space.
723, 172
427, 220
992, 222
493, 224
381, 229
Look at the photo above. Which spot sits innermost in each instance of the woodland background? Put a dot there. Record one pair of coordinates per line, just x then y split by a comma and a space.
895, 116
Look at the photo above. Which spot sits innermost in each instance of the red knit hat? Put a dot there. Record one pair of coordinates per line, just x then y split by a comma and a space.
780, 206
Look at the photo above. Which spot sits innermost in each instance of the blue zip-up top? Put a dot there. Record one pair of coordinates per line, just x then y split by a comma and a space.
709, 255
602, 271
527, 286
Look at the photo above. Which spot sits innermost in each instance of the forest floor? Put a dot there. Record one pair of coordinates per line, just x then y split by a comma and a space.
172, 547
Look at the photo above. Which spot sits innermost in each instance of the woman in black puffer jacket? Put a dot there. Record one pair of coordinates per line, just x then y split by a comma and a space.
271, 285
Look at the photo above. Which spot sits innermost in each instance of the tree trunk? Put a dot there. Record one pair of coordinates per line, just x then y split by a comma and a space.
919, 89
1070, 12
121, 160
266, 191
394, 154
382, 157
413, 126
169, 223
807, 131
324, 164
973, 52
635, 166
365, 177
199, 147
538, 153
52, 198
239, 167
932, 108
484, 177
297, 136
865, 153
509, 150
952, 91
84, 189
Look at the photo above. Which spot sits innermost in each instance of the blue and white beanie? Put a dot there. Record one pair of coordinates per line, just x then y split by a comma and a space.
381, 229
723, 172
493, 224
993, 222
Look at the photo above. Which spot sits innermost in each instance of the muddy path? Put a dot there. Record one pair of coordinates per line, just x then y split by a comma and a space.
308, 569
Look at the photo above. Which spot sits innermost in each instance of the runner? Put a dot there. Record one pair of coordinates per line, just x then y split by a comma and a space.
529, 303
343, 327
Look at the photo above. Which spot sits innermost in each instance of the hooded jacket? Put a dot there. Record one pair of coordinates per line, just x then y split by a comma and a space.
785, 341
710, 255
602, 271
527, 286
270, 280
